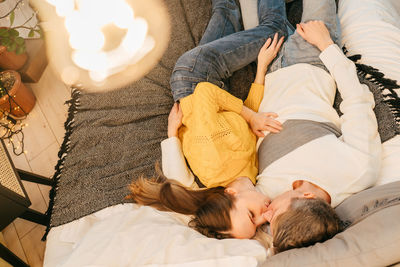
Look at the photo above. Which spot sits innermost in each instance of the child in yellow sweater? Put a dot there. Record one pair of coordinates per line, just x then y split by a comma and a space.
216, 138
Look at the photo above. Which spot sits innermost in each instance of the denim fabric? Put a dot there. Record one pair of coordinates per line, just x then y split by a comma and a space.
225, 20
223, 49
296, 50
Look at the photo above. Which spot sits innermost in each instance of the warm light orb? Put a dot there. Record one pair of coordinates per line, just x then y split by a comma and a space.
84, 23
63, 7
103, 43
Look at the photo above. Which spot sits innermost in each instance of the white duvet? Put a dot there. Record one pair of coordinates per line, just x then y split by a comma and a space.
130, 235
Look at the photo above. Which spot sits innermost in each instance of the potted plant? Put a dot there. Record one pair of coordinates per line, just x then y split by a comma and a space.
15, 97
12, 46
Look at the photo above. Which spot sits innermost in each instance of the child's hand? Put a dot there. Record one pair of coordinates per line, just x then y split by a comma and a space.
174, 120
265, 122
316, 33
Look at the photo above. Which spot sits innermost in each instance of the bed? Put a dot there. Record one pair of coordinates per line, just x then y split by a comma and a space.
110, 232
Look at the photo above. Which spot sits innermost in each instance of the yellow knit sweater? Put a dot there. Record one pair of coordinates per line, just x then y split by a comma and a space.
216, 140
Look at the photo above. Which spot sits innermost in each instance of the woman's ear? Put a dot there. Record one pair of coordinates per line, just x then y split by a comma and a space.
231, 191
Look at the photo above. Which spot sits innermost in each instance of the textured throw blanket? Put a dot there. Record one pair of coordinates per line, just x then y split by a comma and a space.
113, 137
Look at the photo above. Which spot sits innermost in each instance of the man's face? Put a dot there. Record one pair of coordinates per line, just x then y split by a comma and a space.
281, 204
249, 212
278, 206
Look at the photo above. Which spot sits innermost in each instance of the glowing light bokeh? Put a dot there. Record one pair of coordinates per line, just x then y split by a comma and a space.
84, 21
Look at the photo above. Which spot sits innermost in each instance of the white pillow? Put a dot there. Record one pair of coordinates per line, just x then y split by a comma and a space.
249, 13
371, 28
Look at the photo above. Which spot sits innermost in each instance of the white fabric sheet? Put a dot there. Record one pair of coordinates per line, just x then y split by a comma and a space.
129, 235
132, 235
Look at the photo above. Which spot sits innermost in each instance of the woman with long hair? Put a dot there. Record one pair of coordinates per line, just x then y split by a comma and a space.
217, 130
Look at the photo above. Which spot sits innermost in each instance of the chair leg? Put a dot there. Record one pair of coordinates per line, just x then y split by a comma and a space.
10, 257
35, 178
35, 216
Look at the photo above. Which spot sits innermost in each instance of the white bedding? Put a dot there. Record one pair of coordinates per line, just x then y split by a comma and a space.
130, 235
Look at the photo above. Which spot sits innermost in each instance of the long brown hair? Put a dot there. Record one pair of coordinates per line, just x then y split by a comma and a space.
211, 206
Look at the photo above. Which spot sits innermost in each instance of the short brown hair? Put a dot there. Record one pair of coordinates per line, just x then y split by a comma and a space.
307, 222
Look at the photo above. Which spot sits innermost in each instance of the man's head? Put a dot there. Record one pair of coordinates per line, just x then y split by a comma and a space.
300, 219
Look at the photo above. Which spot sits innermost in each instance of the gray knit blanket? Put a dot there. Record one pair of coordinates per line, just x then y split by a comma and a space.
114, 137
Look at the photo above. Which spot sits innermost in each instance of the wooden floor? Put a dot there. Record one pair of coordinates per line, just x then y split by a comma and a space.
43, 137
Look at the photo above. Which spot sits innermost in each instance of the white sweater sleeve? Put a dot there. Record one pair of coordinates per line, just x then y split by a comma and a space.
174, 164
358, 122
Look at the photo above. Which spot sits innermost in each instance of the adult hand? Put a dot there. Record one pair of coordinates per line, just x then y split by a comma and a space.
267, 53
174, 120
265, 122
316, 33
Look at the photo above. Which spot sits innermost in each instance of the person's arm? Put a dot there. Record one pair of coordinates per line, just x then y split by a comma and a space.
174, 164
267, 53
358, 122
173, 161
260, 122
210, 98
359, 126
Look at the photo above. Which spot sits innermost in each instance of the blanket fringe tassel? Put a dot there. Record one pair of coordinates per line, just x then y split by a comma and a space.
65, 146
387, 86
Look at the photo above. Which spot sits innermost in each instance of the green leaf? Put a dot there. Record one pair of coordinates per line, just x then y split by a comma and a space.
20, 50
6, 33
12, 47
19, 40
31, 33
40, 33
12, 17
14, 32
6, 42
3, 32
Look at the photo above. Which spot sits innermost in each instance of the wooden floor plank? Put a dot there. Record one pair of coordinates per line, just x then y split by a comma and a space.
13, 243
48, 156
38, 135
43, 135
51, 95
33, 247
22, 226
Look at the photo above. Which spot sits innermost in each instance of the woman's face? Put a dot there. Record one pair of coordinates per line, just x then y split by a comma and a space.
249, 211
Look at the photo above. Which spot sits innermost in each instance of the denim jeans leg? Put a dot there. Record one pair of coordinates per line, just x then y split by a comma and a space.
188, 72
216, 61
233, 52
296, 49
225, 20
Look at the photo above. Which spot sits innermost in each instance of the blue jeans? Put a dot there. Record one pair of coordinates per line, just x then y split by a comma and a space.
225, 49
296, 50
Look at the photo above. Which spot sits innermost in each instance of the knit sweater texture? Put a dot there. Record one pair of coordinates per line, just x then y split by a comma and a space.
216, 140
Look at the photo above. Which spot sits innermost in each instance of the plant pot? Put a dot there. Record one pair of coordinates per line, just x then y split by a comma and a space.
22, 95
10, 60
